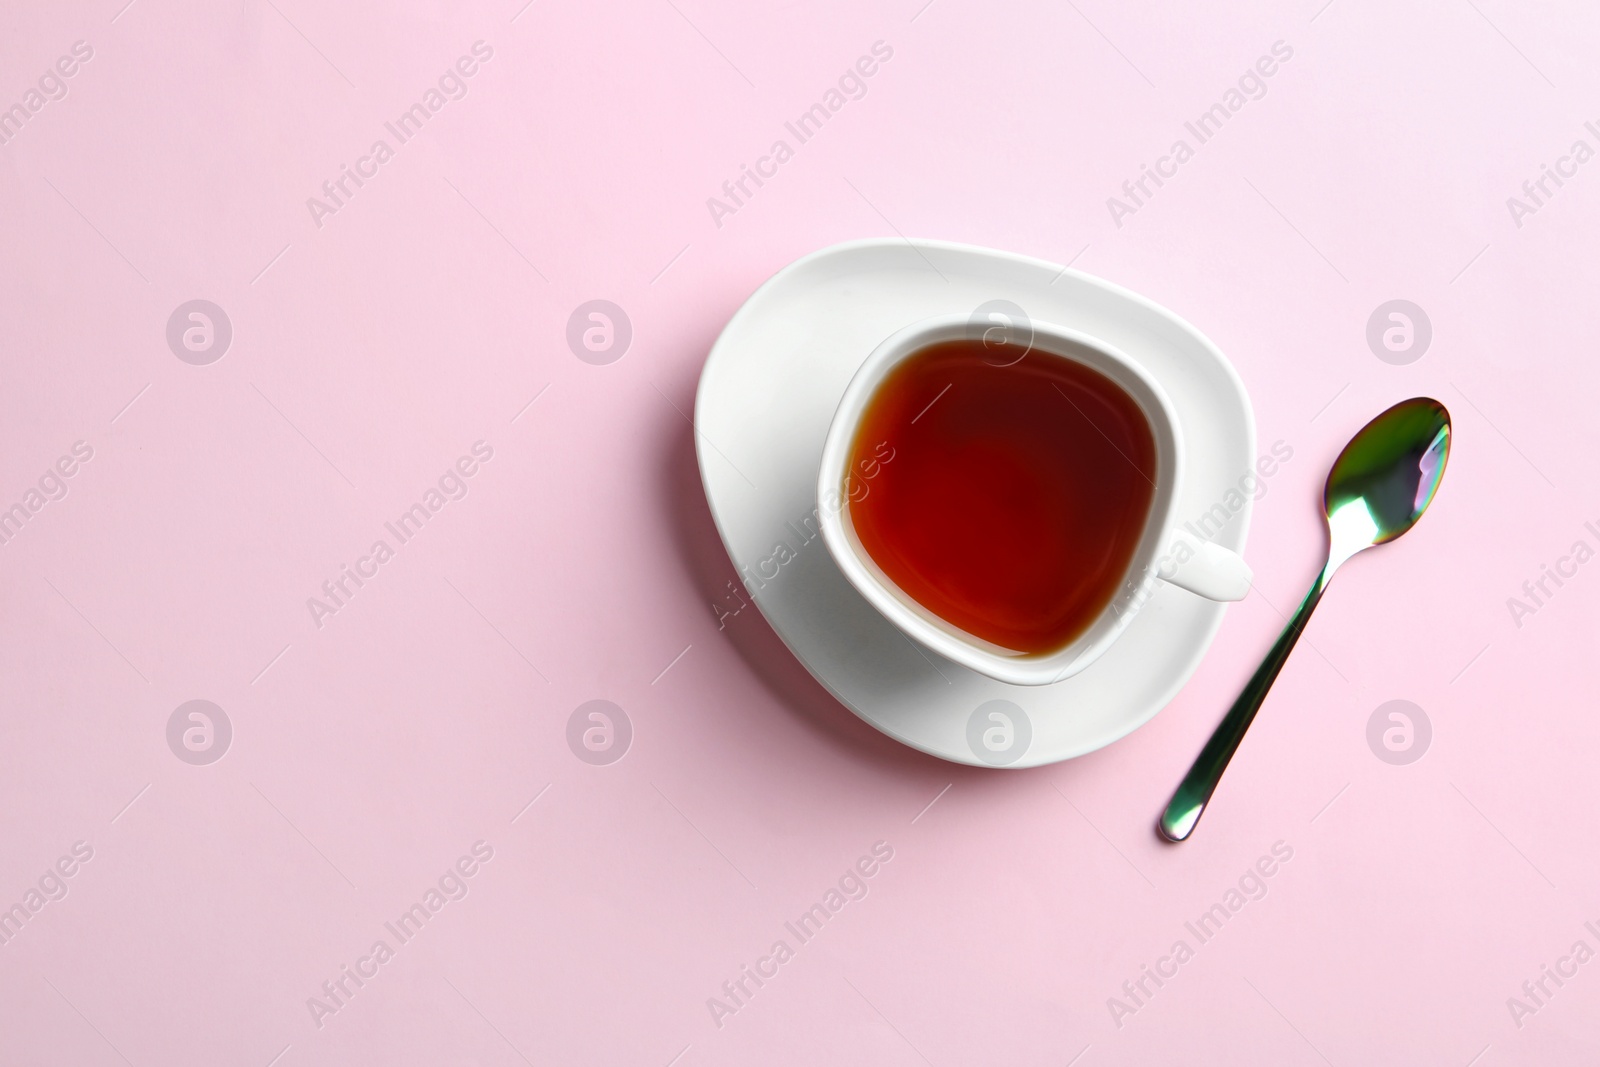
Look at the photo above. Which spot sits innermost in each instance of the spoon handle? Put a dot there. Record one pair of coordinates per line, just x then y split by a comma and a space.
1193, 793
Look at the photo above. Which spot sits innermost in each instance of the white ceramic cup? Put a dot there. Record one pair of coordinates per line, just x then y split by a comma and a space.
1165, 552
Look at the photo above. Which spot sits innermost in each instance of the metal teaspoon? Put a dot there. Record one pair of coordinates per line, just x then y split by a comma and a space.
1377, 490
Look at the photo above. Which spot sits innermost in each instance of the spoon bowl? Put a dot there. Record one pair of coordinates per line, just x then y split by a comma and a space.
1388, 473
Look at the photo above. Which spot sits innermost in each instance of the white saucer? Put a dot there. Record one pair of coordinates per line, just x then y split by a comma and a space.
766, 397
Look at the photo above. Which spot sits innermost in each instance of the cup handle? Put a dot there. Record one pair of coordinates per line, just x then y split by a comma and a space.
1206, 569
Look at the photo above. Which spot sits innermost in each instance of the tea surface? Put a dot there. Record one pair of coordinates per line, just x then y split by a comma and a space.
1017, 494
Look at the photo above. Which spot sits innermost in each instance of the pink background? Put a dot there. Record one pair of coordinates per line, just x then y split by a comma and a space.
369, 353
